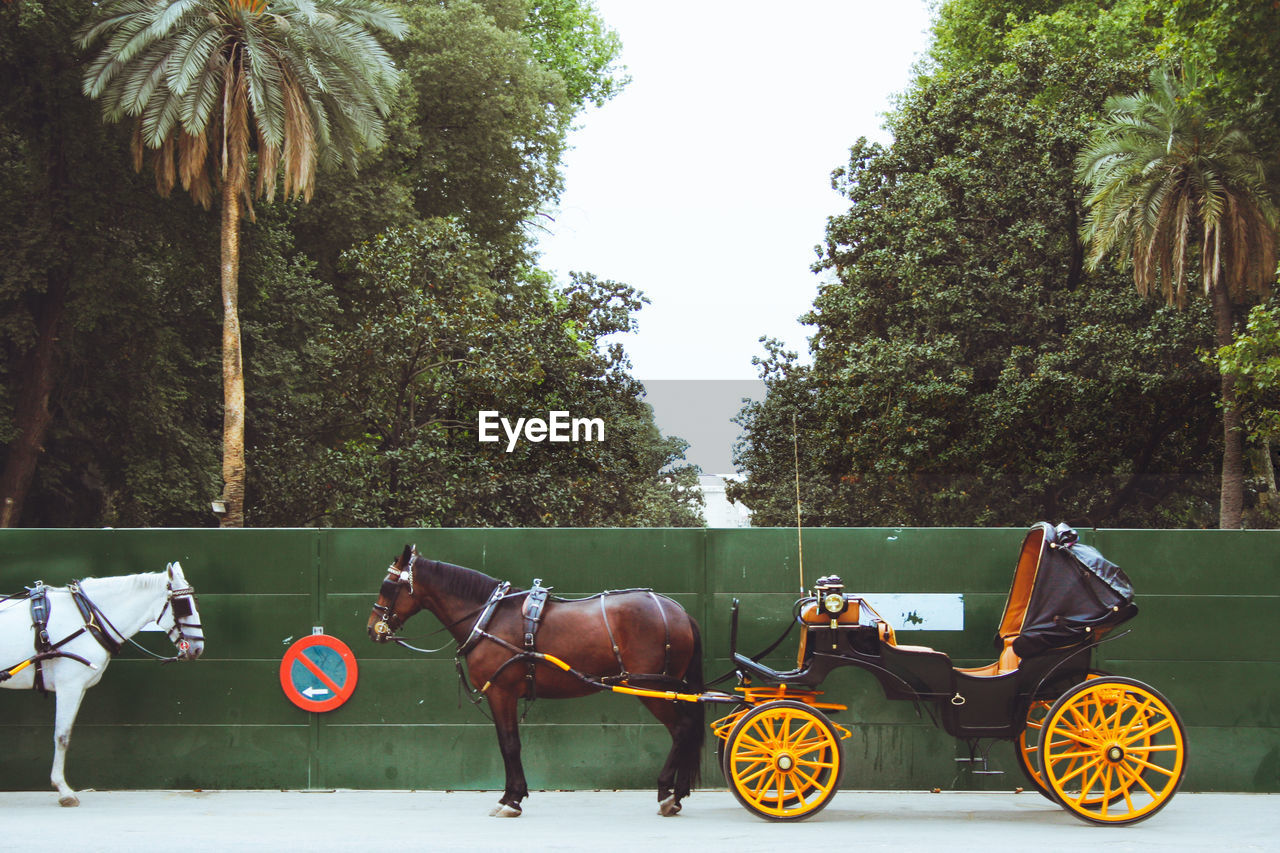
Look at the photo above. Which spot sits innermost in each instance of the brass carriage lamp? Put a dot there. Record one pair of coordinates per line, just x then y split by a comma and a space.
830, 591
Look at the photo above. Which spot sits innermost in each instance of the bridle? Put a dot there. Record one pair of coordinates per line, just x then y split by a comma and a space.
183, 602
400, 580
397, 579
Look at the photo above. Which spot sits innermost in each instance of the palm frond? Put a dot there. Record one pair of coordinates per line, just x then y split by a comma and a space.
1169, 193
303, 82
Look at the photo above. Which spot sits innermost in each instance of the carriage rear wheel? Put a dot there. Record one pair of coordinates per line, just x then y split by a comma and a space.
783, 760
1026, 748
1112, 751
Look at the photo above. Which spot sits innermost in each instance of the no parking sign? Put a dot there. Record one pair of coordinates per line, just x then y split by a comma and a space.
318, 673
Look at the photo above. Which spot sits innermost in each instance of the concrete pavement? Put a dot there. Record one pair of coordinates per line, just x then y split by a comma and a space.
390, 821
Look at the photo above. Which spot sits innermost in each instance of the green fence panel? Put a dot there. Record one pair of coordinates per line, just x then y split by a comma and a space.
1205, 636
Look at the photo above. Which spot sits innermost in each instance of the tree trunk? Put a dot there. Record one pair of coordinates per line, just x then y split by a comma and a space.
1231, 507
35, 378
32, 415
1268, 467
233, 464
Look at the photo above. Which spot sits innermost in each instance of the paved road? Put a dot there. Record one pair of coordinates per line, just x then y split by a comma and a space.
391, 821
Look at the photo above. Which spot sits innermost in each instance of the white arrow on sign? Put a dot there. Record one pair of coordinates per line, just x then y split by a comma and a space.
313, 692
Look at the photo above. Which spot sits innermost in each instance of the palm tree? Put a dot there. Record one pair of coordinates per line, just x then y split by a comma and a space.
216, 86
1174, 188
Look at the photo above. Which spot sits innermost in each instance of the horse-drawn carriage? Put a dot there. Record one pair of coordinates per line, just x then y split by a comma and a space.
1111, 750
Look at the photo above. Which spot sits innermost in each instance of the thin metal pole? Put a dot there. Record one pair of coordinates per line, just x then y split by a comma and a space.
795, 440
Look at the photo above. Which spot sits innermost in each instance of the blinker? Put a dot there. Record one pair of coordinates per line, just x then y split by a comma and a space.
389, 590
182, 607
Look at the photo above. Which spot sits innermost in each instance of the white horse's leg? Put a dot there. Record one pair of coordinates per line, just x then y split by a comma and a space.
69, 697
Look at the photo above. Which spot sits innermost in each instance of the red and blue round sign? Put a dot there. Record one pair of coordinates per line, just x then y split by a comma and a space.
318, 673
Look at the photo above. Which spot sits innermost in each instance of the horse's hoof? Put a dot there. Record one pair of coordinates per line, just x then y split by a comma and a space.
69, 801
504, 810
669, 807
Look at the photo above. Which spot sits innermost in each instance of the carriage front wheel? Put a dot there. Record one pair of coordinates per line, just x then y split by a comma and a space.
783, 760
1112, 751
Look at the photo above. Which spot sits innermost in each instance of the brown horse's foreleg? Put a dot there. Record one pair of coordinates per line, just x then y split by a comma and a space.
503, 704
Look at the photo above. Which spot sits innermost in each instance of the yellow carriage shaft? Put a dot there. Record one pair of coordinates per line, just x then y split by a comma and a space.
643, 692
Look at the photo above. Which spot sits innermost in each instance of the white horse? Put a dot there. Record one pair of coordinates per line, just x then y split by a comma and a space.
85, 635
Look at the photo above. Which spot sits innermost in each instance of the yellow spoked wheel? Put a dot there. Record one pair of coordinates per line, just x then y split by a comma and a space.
783, 760
1026, 748
1112, 751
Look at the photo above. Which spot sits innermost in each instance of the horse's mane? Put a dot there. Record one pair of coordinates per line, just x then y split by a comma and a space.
467, 584
149, 582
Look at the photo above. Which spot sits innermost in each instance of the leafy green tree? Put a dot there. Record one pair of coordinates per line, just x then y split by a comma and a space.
490, 91
44, 134
212, 82
967, 369
1234, 43
570, 37
445, 339
970, 33
84, 240
1173, 190
1253, 360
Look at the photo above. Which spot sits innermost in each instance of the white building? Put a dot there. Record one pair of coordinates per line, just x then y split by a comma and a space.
719, 510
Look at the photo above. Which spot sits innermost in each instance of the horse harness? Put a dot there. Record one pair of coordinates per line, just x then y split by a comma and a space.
531, 609
96, 625
45, 648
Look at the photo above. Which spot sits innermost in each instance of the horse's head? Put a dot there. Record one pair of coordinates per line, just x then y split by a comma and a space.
396, 601
179, 618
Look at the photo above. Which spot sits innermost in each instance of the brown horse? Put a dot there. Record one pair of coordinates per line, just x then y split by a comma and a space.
632, 639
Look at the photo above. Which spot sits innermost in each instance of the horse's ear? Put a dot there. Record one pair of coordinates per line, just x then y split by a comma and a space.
409, 551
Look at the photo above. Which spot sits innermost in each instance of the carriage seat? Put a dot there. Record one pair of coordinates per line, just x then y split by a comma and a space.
1015, 607
1007, 662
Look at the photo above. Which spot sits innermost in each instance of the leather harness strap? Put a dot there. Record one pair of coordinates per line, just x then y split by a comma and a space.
623, 675
90, 613
482, 621
40, 625
47, 650
666, 631
531, 610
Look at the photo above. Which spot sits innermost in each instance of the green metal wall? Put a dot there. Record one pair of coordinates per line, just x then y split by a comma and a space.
1206, 637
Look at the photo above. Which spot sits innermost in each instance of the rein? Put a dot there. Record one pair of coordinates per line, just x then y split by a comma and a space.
477, 612
92, 613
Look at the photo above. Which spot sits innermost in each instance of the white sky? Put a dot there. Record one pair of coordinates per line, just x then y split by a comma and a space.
706, 182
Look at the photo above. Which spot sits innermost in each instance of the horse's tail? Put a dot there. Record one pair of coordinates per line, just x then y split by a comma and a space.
693, 715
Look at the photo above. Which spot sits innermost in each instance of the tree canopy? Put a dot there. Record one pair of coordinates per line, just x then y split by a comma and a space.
967, 367
429, 244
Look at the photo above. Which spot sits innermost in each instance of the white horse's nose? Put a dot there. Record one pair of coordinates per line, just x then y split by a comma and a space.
190, 649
